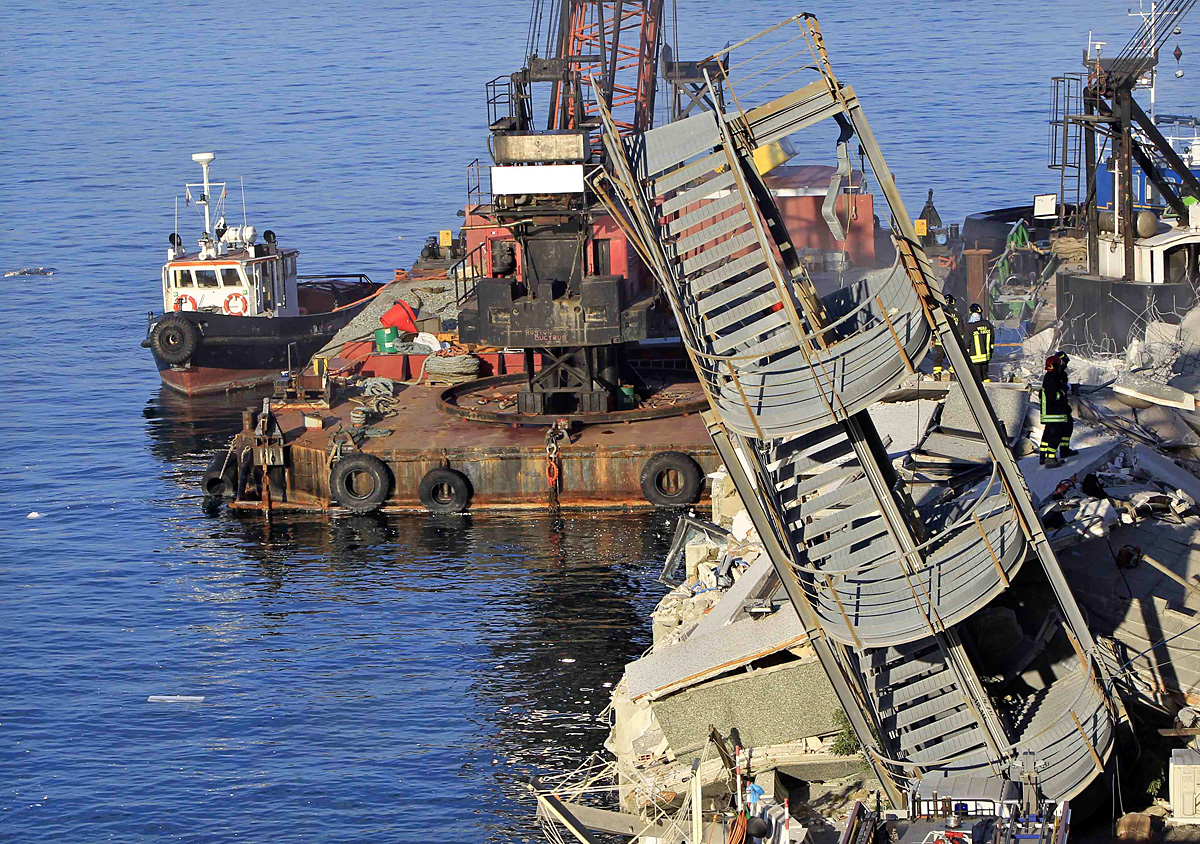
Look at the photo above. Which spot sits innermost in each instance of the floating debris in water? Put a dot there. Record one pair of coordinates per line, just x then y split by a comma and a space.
34, 514
31, 271
175, 699
567, 659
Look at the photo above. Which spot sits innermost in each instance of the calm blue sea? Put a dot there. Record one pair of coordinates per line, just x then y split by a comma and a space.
365, 680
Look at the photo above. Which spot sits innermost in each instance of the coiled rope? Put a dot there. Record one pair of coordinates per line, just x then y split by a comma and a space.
457, 369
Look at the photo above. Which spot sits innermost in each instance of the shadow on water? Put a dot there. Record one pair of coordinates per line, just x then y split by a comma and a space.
182, 428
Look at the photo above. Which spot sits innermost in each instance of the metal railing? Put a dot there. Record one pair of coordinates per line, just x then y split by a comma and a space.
475, 193
467, 272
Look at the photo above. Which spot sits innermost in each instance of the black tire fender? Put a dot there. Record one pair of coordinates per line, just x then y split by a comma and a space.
445, 491
221, 477
672, 479
173, 339
360, 483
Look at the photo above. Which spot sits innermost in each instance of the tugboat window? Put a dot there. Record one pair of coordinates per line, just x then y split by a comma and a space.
183, 278
230, 277
206, 278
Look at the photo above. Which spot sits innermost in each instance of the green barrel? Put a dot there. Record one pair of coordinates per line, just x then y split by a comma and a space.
385, 341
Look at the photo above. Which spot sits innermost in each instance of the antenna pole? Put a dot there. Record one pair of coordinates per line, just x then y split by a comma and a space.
205, 200
176, 222
242, 181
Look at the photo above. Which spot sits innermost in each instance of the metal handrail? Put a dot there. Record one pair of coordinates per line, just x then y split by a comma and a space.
464, 284
361, 277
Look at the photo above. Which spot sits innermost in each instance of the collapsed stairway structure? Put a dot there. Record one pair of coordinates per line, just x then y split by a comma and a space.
885, 589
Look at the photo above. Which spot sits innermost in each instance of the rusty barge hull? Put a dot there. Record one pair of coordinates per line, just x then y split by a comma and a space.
506, 465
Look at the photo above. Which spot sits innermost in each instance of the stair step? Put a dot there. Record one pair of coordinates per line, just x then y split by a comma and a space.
844, 516
911, 665
709, 210
709, 189
763, 280
725, 272
701, 239
746, 310
967, 746
689, 172
903, 696
874, 529
728, 343
712, 255
838, 473
916, 713
843, 495
939, 729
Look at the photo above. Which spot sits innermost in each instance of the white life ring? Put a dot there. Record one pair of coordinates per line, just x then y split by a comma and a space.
236, 304
184, 302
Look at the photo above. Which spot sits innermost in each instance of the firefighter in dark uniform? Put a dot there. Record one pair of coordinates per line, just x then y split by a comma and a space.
1056, 412
981, 342
939, 354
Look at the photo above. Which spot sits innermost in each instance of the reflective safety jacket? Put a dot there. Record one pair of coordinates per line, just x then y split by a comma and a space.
982, 342
1056, 404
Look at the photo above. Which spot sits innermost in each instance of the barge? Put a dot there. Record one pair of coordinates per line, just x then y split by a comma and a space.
360, 443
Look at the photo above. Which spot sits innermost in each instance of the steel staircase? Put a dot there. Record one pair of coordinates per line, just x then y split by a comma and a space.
791, 377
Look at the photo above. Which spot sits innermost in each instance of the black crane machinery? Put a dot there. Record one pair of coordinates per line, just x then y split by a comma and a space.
552, 273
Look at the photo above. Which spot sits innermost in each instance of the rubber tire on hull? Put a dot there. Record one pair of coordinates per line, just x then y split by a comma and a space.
221, 477
691, 479
456, 483
173, 339
343, 485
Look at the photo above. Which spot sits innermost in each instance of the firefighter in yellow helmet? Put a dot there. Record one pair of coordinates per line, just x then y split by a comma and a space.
939, 354
981, 342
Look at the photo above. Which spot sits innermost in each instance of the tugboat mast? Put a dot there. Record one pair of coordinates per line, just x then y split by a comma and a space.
204, 159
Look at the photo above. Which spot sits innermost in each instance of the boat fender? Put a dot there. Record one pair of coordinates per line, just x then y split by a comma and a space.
236, 304
184, 302
173, 339
360, 483
445, 491
220, 478
672, 479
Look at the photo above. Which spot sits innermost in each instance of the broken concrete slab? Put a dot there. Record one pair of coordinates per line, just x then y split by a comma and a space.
958, 450
754, 583
904, 422
1148, 392
720, 651
1091, 519
1042, 480
771, 706
1009, 403
1166, 470
1169, 424
1038, 346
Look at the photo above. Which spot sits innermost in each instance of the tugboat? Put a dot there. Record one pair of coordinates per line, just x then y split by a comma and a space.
235, 313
